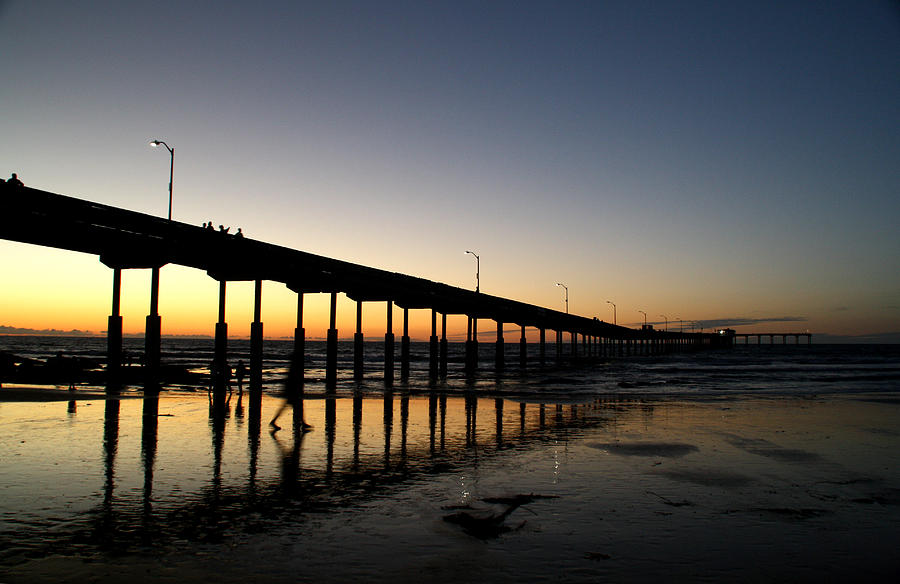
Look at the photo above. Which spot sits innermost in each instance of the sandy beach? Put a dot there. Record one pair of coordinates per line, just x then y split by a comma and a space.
624, 490
44, 394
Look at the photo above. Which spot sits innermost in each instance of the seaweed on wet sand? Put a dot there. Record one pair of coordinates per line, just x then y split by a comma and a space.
490, 522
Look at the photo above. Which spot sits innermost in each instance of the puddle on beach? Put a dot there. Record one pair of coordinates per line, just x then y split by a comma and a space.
166, 490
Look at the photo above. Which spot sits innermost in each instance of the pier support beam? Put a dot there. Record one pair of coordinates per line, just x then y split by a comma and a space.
389, 346
542, 359
523, 350
298, 358
220, 355
404, 347
472, 345
559, 345
443, 364
331, 346
358, 347
433, 348
152, 334
256, 340
500, 349
114, 336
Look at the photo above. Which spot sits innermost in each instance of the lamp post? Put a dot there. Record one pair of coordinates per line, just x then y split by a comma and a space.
155, 144
680, 325
477, 270
614, 310
645, 317
667, 321
567, 295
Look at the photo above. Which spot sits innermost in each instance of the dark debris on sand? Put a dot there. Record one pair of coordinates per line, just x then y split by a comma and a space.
490, 522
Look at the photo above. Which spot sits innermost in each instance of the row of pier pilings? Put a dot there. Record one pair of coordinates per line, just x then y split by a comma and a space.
580, 345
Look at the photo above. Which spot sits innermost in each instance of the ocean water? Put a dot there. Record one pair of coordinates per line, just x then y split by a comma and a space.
781, 369
758, 463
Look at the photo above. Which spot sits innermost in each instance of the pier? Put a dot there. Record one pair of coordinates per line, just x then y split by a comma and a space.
772, 336
124, 240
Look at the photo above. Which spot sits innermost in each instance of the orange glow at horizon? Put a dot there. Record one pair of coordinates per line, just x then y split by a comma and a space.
61, 290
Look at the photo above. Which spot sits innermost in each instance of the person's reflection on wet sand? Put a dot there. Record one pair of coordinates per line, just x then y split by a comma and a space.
292, 396
290, 455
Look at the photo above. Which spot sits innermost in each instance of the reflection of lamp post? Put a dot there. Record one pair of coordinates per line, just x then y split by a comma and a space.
567, 295
477, 270
667, 321
614, 310
156, 143
645, 317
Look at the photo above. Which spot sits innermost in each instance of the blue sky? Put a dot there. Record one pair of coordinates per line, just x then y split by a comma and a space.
704, 160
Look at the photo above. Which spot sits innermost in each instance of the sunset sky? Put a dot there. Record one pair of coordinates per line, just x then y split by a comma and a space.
727, 163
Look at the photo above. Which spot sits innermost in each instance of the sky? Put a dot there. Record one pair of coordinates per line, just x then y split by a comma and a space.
709, 163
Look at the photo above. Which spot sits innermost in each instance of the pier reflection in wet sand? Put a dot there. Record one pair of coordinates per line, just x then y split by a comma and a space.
177, 485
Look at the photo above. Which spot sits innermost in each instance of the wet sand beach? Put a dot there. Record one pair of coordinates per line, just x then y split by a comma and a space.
44, 394
408, 488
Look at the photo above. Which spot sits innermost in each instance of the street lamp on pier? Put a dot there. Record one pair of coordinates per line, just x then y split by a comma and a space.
614, 310
645, 317
477, 271
155, 144
667, 321
567, 295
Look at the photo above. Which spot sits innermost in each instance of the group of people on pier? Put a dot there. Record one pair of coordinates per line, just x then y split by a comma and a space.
222, 229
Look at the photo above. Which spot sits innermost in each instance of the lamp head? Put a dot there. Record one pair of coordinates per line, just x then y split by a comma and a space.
154, 143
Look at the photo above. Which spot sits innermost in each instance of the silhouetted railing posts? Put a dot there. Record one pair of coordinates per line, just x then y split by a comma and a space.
772, 337
114, 335
358, 347
256, 340
220, 358
389, 346
404, 347
331, 346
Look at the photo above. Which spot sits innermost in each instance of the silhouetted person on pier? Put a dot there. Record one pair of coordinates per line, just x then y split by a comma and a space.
223, 229
209, 226
291, 397
14, 181
239, 233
